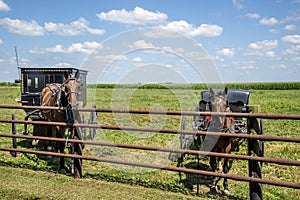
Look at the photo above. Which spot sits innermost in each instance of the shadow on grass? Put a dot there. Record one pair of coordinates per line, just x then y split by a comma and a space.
34, 161
200, 184
186, 184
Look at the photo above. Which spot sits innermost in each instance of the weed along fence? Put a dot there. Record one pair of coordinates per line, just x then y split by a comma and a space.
254, 162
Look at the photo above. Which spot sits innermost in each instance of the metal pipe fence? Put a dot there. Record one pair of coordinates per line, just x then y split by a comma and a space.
249, 137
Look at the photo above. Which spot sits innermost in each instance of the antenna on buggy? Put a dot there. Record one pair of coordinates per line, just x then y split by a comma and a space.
17, 60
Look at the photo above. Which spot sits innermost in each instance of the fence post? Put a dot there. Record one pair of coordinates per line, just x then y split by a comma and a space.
14, 140
255, 148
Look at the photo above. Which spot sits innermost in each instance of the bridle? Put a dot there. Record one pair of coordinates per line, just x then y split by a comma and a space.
70, 86
216, 105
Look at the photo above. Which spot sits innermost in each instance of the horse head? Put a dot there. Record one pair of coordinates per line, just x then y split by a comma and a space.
72, 88
219, 104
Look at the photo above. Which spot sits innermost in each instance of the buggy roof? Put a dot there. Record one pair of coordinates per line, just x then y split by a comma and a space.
50, 69
233, 96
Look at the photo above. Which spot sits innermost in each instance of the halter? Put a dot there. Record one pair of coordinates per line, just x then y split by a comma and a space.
221, 119
219, 101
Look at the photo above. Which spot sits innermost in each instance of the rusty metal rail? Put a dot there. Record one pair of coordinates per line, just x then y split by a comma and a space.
168, 112
281, 161
161, 167
250, 137
158, 130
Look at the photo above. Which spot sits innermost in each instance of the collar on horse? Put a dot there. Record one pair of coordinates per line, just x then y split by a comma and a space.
55, 92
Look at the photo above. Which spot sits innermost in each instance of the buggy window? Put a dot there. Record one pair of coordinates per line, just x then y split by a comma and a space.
36, 82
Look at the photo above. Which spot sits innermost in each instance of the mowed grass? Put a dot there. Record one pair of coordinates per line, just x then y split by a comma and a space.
107, 181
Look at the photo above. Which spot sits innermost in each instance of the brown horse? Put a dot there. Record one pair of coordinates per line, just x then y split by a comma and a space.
64, 95
219, 144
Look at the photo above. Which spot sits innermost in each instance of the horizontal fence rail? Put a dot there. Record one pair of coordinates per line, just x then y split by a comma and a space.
167, 112
158, 130
161, 149
249, 137
161, 167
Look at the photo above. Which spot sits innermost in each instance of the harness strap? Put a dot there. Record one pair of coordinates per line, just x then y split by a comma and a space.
69, 117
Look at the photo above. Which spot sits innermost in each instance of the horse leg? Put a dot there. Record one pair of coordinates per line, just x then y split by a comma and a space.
49, 134
225, 183
61, 148
213, 165
76, 149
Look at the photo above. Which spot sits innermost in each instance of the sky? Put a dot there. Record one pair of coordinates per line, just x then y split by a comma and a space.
120, 41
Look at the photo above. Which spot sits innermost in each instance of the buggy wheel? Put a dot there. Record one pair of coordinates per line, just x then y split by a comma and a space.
183, 138
261, 132
93, 120
76, 149
76, 164
77, 173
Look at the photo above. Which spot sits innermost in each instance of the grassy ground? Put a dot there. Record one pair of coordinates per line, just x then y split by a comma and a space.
110, 181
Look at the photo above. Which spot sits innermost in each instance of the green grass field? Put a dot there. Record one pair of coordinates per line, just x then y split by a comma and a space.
34, 177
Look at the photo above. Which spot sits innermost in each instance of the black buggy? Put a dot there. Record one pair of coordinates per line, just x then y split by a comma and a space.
33, 80
238, 102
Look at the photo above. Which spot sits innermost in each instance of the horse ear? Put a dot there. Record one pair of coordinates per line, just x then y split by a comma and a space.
212, 93
67, 75
225, 91
77, 74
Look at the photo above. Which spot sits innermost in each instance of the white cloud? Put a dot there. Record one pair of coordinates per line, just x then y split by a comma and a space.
85, 48
226, 52
293, 17
1, 42
238, 4
295, 39
294, 50
32, 28
74, 28
279, 66
282, 66
22, 27
270, 54
177, 51
274, 31
253, 15
137, 59
219, 59
263, 45
206, 30
268, 21
141, 44
138, 16
58, 65
253, 53
4, 6
290, 27
247, 67
108, 59
296, 59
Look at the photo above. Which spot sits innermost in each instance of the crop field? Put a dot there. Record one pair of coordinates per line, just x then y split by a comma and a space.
35, 177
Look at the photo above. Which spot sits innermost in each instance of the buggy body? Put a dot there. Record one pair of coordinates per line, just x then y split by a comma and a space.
238, 101
33, 80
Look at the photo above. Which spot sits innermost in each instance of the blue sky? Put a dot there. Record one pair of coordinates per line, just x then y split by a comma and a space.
246, 40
